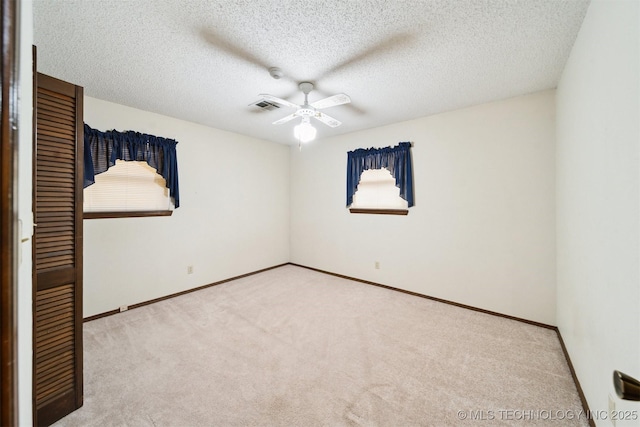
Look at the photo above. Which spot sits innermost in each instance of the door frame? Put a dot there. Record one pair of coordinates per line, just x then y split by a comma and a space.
9, 244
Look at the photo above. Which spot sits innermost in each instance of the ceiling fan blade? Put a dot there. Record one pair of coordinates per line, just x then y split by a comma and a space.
225, 45
286, 119
373, 53
331, 101
351, 106
327, 120
277, 100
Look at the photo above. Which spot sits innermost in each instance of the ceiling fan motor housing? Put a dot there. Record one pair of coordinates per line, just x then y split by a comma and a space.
306, 111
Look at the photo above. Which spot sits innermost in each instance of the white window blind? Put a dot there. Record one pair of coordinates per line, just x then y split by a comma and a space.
128, 186
377, 190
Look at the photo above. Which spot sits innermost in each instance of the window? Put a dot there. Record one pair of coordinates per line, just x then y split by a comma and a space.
128, 186
129, 174
377, 190
382, 179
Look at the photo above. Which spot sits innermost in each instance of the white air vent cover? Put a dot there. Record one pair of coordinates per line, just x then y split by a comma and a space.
265, 105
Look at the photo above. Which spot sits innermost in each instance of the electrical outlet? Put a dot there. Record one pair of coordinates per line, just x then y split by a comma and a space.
190, 269
124, 308
377, 264
612, 410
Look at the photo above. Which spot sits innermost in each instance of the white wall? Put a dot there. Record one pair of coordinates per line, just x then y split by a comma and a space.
598, 211
482, 231
233, 216
25, 141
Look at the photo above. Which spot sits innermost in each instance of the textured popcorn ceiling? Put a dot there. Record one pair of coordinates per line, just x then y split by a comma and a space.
206, 61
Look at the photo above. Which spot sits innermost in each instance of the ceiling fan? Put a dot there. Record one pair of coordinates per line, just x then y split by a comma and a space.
305, 132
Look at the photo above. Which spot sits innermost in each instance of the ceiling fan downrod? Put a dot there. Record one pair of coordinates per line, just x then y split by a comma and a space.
306, 110
306, 87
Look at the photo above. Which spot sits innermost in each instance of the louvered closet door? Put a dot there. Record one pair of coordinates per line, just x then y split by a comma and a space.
57, 259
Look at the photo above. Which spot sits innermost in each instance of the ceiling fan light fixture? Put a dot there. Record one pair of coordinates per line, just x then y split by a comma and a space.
304, 132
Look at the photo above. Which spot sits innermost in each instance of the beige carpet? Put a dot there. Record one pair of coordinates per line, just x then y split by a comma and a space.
294, 347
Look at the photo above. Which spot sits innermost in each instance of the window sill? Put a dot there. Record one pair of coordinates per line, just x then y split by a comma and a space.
125, 214
379, 211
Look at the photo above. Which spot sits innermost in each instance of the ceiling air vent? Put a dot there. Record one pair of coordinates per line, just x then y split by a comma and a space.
266, 105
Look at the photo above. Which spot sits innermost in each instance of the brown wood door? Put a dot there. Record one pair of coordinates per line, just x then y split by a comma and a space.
57, 249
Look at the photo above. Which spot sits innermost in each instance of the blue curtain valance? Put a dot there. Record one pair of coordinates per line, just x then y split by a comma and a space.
396, 159
102, 149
